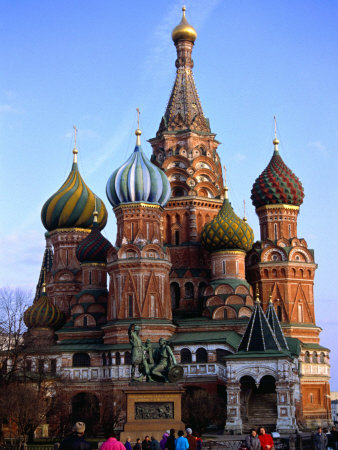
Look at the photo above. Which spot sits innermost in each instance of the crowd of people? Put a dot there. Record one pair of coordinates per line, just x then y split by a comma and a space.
169, 441
256, 440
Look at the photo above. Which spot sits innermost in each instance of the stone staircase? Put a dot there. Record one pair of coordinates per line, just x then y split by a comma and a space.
262, 411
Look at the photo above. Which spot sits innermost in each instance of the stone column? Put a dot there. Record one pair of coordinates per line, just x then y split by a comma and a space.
286, 421
234, 420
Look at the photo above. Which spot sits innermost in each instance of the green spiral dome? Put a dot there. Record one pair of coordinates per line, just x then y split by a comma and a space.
43, 314
72, 206
227, 231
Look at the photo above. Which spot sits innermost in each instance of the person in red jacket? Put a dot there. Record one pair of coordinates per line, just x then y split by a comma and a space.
265, 439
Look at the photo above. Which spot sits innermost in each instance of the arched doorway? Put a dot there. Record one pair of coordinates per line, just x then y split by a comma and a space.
86, 408
175, 295
258, 404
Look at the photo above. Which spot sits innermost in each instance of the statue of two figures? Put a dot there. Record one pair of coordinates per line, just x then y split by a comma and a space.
153, 365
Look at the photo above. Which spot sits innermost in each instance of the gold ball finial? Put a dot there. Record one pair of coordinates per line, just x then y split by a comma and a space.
184, 31
270, 297
138, 132
257, 294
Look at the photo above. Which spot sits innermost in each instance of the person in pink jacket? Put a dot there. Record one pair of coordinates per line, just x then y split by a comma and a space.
112, 443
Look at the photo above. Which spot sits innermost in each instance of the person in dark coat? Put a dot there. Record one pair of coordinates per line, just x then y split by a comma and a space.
154, 444
320, 439
146, 443
76, 441
128, 444
252, 441
170, 444
138, 445
334, 438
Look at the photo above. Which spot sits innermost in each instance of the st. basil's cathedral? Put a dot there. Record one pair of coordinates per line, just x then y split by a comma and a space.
237, 313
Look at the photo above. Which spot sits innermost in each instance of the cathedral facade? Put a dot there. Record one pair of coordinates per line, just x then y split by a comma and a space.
237, 313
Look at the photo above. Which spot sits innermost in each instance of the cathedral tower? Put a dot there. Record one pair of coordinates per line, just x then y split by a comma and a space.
139, 265
186, 149
281, 262
68, 217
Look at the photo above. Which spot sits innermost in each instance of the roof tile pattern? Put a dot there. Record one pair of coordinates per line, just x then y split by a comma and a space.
227, 231
94, 247
277, 184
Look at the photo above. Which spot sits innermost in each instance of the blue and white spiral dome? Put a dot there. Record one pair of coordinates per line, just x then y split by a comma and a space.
138, 180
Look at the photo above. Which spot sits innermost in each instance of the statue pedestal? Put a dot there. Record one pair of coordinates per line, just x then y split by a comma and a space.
152, 409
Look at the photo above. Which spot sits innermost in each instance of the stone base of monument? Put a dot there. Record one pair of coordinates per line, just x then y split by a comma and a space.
152, 409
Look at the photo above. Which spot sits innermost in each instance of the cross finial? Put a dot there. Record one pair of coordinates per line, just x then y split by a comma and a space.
244, 218
95, 213
275, 141
138, 117
75, 151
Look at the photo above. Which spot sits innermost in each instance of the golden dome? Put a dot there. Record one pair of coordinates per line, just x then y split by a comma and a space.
184, 31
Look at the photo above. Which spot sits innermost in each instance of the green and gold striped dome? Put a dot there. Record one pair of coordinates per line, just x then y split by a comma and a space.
72, 206
227, 231
43, 314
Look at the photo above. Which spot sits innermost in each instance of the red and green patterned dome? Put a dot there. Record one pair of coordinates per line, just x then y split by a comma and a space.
277, 184
43, 314
227, 231
94, 247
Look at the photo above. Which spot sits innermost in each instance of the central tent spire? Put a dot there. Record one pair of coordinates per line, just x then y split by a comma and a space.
184, 111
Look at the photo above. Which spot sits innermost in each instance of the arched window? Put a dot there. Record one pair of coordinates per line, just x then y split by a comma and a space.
322, 358
90, 277
127, 358
314, 357
175, 294
130, 305
220, 354
104, 359
177, 237
189, 290
109, 359
307, 357
201, 355
81, 360
118, 358
53, 365
185, 356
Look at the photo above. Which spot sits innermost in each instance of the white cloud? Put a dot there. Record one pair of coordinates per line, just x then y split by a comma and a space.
239, 156
319, 146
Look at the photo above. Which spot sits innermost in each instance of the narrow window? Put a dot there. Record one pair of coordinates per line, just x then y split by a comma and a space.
224, 313
132, 231
223, 265
152, 306
147, 231
275, 230
300, 313
130, 305
118, 359
90, 277
53, 365
236, 267
279, 312
66, 257
177, 237
289, 230
311, 398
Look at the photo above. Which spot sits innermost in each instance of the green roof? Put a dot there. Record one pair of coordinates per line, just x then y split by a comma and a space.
226, 337
258, 355
311, 346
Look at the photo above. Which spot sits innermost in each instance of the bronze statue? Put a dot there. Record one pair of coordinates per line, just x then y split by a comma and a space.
159, 365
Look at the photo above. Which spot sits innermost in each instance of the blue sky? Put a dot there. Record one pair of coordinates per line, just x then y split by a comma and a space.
92, 63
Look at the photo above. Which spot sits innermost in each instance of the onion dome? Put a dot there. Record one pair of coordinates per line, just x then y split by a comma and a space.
94, 247
72, 206
138, 180
227, 231
43, 314
277, 184
184, 31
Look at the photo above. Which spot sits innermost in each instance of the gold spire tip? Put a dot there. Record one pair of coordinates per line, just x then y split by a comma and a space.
257, 294
270, 297
95, 212
44, 280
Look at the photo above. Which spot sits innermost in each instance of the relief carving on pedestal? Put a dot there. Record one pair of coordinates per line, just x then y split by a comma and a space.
154, 410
